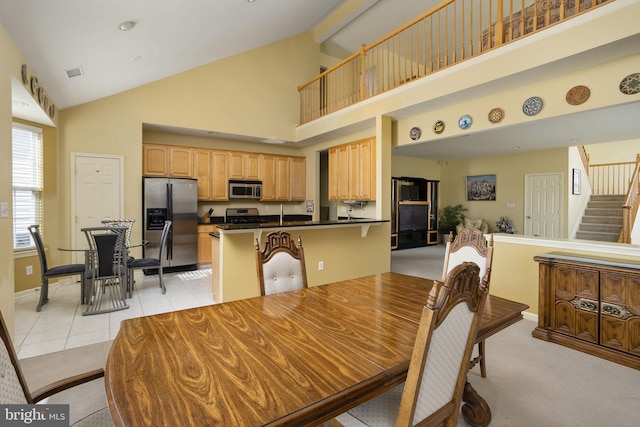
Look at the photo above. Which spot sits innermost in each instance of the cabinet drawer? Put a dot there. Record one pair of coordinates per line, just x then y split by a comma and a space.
208, 228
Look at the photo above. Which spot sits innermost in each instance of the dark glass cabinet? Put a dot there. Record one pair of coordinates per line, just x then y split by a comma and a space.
414, 216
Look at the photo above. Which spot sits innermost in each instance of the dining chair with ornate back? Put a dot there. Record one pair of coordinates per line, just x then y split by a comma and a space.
59, 271
432, 392
106, 268
280, 264
471, 245
150, 263
15, 390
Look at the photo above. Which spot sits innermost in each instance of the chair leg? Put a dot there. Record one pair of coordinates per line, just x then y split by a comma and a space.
483, 368
44, 293
164, 290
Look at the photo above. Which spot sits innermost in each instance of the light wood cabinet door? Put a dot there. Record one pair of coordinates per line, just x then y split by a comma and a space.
339, 172
298, 179
155, 160
219, 177
202, 172
244, 165
268, 176
366, 186
204, 243
180, 162
252, 166
282, 178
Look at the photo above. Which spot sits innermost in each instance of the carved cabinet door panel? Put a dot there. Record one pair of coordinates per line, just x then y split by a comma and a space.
576, 300
620, 311
613, 332
564, 318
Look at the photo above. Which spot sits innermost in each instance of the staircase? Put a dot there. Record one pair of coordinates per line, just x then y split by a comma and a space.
602, 219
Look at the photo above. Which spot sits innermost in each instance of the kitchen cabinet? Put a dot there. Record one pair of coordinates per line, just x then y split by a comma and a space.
352, 171
339, 173
202, 166
244, 165
204, 242
219, 177
283, 178
180, 162
297, 178
155, 160
591, 304
167, 160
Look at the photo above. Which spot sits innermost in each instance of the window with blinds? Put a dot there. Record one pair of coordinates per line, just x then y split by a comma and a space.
27, 183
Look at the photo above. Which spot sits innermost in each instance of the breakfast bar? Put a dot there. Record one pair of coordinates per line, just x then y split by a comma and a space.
333, 251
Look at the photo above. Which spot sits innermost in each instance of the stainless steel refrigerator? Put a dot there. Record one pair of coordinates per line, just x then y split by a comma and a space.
174, 199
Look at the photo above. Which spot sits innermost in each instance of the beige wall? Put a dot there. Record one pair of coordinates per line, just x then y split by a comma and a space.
345, 252
9, 68
510, 171
252, 94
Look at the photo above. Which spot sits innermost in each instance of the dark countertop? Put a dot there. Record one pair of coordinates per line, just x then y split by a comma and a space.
286, 224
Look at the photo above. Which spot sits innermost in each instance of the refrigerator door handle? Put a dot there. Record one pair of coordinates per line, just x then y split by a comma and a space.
169, 217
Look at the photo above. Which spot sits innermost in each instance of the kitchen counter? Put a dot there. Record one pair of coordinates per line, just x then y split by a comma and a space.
288, 224
330, 252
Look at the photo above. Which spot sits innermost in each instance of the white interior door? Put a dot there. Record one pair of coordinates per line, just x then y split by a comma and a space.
97, 193
543, 205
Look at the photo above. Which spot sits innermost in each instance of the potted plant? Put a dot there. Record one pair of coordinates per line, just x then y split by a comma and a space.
448, 218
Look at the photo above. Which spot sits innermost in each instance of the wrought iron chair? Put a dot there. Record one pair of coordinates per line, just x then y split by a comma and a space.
59, 271
106, 269
280, 264
149, 263
14, 388
432, 393
471, 245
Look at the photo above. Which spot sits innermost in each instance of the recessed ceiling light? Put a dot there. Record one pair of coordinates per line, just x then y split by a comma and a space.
127, 25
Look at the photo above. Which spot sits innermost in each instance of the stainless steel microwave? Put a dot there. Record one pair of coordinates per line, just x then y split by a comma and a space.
245, 189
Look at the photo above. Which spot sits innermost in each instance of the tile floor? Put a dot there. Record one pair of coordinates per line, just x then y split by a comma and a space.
60, 325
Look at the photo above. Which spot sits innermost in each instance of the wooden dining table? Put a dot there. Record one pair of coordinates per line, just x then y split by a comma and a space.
294, 358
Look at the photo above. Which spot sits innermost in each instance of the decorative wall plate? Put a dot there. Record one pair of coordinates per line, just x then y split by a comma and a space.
496, 115
25, 77
40, 95
52, 111
438, 127
630, 85
415, 133
532, 106
34, 85
464, 122
578, 95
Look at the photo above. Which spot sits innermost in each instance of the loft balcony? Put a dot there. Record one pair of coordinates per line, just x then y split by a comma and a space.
450, 33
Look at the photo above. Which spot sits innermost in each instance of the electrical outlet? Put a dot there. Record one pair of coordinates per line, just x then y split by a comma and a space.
29, 270
320, 265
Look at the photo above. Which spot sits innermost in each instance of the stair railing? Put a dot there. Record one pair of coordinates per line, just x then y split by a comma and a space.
631, 203
611, 178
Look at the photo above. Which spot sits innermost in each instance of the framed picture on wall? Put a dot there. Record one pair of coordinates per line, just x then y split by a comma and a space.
481, 187
575, 187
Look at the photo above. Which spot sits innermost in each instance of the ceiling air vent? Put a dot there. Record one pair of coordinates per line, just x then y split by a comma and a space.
74, 72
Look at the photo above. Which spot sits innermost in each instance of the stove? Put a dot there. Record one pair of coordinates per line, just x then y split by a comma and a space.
247, 216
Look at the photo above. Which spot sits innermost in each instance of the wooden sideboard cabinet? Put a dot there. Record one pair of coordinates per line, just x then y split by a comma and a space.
591, 304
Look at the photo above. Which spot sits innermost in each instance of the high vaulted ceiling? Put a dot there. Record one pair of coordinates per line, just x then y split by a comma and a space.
58, 37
